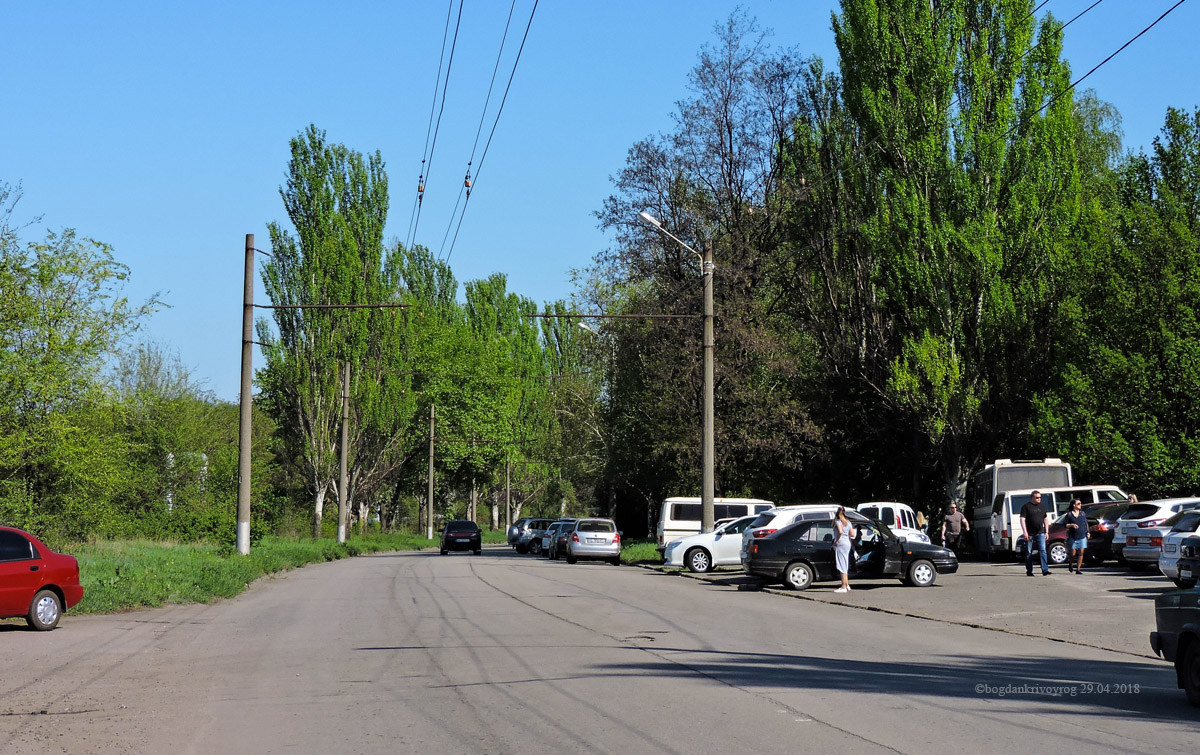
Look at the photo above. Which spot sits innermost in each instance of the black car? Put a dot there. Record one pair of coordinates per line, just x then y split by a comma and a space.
802, 553
1177, 639
1188, 563
462, 536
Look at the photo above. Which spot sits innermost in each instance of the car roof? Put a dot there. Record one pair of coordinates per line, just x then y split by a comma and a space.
803, 506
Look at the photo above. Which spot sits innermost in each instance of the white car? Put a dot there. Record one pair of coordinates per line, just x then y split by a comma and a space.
779, 517
700, 553
1139, 534
1183, 525
899, 517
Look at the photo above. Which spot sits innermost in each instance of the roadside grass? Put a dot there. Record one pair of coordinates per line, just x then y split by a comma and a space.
126, 575
640, 552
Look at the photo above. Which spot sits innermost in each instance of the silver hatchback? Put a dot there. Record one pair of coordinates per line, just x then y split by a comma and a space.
594, 538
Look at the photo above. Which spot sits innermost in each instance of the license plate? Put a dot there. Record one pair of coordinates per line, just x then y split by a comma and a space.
595, 540
462, 540
1169, 547
1185, 573
1144, 540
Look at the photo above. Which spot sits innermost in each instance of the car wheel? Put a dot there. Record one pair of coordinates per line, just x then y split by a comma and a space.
1185, 584
1137, 565
798, 575
698, 560
615, 561
1058, 553
570, 559
522, 549
535, 548
1092, 560
921, 574
44, 611
1190, 672
478, 551
443, 551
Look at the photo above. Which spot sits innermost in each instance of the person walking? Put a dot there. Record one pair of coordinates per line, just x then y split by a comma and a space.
954, 524
1033, 526
1077, 535
841, 547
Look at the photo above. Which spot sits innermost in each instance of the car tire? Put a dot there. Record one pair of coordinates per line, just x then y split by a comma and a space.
522, 549
44, 611
1057, 553
615, 561
698, 560
478, 551
1092, 560
921, 573
1185, 584
798, 575
443, 551
1138, 565
1189, 672
536, 548
570, 559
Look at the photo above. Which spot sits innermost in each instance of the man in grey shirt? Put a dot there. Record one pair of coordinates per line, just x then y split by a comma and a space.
954, 525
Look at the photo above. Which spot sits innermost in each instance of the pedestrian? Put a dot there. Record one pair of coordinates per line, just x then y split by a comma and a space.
954, 524
1033, 526
841, 547
1077, 535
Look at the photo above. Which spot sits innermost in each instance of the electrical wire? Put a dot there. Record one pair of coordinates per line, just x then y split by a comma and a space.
496, 122
427, 162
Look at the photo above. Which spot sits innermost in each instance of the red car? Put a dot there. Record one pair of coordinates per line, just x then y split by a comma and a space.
35, 582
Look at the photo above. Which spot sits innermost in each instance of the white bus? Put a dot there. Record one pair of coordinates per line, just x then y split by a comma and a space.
1002, 476
680, 517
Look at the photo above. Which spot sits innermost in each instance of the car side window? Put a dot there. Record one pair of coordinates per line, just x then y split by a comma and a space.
819, 532
736, 528
13, 547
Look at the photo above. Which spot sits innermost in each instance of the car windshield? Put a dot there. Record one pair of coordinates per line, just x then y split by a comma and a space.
1140, 511
761, 520
1108, 512
462, 526
1184, 521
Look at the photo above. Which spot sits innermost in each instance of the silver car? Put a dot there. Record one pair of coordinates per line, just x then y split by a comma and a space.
594, 538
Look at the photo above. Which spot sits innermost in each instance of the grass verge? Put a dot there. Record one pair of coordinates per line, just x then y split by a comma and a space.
126, 575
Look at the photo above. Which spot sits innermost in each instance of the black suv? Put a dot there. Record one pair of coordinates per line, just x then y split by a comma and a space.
462, 536
1177, 639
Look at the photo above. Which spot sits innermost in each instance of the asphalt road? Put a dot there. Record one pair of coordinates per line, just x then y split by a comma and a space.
502, 653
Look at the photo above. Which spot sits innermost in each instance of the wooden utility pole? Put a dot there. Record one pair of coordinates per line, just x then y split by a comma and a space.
507, 493
429, 497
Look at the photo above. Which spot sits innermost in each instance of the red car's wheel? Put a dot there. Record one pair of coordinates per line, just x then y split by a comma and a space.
45, 611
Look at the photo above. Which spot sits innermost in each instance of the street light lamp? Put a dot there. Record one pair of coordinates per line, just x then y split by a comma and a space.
708, 486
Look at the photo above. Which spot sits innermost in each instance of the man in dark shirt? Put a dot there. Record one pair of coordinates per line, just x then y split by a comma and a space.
1033, 525
953, 526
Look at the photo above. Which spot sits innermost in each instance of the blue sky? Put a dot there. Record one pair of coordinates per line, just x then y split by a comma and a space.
162, 128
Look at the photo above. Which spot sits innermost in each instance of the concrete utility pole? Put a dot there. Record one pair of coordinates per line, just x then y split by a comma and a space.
708, 484
343, 506
244, 429
429, 497
507, 493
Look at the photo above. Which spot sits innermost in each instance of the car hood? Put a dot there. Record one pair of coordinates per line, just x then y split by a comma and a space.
929, 550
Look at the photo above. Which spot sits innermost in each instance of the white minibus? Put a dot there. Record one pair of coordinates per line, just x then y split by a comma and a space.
681, 517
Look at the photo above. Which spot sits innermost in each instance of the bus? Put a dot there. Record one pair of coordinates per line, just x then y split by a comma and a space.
1004, 475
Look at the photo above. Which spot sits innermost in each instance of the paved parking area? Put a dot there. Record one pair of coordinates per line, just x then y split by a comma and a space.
1107, 607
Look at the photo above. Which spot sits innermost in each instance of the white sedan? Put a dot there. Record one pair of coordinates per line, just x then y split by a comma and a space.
700, 553
1186, 525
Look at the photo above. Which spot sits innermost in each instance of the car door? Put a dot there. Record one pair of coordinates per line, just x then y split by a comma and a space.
20, 573
816, 545
869, 551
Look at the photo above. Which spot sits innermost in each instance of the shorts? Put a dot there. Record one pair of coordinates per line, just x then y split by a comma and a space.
1077, 545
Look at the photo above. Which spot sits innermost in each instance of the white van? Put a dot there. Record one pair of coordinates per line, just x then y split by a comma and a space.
899, 517
997, 531
681, 517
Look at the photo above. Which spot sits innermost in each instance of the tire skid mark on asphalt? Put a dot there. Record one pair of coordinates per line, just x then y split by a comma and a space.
710, 579
104, 672
674, 660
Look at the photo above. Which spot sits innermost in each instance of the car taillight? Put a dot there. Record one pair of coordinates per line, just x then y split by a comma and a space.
1131, 539
617, 539
1156, 541
574, 537
1102, 526
754, 547
1151, 523
1003, 533
762, 533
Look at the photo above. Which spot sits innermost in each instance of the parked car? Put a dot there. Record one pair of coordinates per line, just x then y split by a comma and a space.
998, 532
1187, 525
1177, 637
779, 517
462, 536
1187, 568
530, 537
594, 538
558, 546
899, 517
35, 582
515, 530
1139, 550
553, 533
1133, 511
802, 553
1101, 527
701, 553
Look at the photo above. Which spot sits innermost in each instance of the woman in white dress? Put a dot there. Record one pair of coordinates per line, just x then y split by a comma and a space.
841, 547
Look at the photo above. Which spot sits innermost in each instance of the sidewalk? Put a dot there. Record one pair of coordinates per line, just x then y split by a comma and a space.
1108, 607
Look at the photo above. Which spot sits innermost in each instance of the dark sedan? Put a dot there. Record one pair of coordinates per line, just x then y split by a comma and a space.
802, 553
1188, 565
1177, 637
35, 582
462, 536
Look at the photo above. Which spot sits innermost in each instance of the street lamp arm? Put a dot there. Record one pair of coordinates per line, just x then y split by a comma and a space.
648, 219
